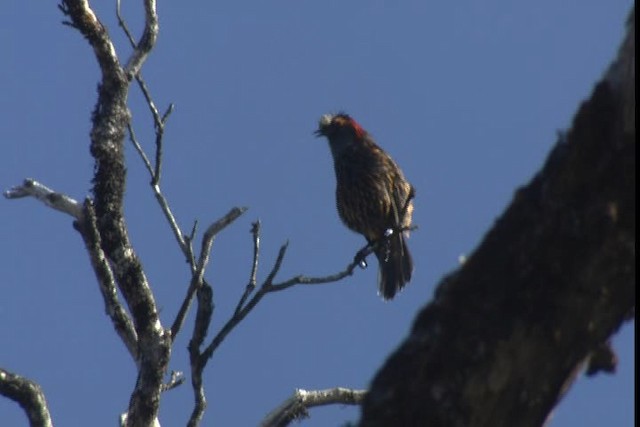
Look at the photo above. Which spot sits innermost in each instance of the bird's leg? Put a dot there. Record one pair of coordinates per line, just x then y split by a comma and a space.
361, 256
372, 246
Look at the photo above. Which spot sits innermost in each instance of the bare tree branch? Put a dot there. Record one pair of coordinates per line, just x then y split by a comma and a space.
110, 120
268, 286
28, 395
85, 20
86, 224
125, 28
205, 301
210, 235
159, 121
203, 318
205, 309
147, 41
162, 201
140, 150
197, 277
296, 407
104, 274
239, 316
159, 124
176, 380
359, 260
255, 232
55, 200
102, 226
200, 329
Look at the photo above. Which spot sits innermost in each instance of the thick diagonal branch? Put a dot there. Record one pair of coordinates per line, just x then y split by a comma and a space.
551, 282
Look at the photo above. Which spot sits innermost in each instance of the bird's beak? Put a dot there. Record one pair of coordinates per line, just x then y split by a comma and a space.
323, 124
318, 133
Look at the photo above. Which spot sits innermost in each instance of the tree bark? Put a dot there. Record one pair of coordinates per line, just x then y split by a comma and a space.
554, 278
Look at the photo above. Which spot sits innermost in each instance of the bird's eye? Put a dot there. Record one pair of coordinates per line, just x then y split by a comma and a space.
339, 121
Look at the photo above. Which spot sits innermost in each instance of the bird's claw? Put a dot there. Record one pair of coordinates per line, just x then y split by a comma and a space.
361, 257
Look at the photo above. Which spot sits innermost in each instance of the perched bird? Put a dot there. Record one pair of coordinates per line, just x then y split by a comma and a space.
372, 196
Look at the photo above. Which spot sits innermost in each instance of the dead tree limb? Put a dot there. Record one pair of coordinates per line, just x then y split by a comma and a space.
109, 126
28, 395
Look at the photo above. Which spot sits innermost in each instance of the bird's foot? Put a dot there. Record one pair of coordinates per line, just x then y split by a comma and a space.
361, 256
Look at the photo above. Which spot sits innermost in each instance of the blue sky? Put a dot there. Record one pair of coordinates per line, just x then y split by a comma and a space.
467, 98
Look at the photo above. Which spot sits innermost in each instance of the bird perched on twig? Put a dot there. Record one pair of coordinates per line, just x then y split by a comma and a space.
373, 197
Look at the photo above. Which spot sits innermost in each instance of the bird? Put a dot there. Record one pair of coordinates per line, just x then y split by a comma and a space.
373, 197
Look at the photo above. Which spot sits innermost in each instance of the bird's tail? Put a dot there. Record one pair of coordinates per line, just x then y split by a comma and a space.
396, 265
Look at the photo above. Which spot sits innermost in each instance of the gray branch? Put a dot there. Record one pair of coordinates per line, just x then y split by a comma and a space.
110, 122
53, 199
197, 278
28, 395
104, 274
147, 41
296, 407
86, 224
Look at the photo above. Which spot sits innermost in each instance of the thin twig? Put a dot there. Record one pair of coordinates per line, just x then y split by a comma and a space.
158, 121
167, 113
124, 26
237, 318
154, 171
168, 214
304, 280
159, 134
268, 286
197, 276
255, 231
199, 360
194, 229
209, 237
138, 147
162, 201
176, 380
191, 258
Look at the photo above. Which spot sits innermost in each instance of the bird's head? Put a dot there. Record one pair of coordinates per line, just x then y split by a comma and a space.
331, 125
340, 129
